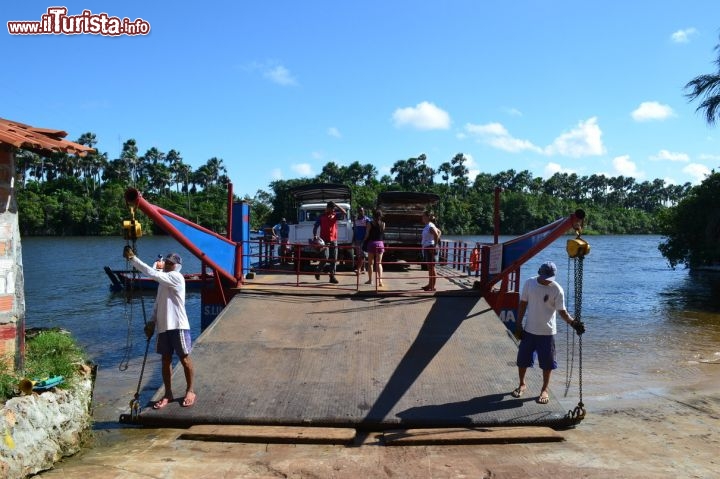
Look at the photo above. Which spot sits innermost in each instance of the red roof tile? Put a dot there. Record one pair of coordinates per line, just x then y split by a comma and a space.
39, 140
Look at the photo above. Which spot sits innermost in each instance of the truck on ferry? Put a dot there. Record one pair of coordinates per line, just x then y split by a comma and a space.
310, 201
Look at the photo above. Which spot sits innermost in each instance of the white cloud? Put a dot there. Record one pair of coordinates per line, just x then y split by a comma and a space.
424, 116
317, 155
302, 169
583, 140
334, 132
665, 155
652, 110
280, 75
552, 168
625, 167
683, 36
276, 174
495, 135
512, 111
273, 71
697, 172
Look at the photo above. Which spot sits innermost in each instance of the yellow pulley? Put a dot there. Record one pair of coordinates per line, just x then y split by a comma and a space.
132, 229
577, 248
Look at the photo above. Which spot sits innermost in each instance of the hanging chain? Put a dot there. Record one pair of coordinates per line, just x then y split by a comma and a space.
129, 316
579, 411
570, 333
132, 233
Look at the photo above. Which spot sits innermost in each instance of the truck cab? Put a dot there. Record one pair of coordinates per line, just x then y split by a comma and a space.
402, 212
310, 201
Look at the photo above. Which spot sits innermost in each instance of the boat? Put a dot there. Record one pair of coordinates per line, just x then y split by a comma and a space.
124, 280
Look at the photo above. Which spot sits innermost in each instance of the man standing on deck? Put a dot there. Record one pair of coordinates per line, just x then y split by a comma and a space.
541, 297
170, 319
327, 223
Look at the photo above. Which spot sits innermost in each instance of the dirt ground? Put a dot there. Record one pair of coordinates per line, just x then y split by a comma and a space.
669, 432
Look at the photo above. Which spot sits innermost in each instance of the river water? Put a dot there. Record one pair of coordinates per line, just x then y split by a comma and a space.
648, 326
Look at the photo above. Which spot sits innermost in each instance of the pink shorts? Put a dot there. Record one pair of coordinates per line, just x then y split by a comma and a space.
375, 247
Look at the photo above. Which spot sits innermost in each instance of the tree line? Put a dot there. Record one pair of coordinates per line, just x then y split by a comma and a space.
615, 205
61, 194
68, 195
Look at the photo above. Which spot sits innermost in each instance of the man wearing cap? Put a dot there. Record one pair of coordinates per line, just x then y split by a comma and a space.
170, 319
542, 298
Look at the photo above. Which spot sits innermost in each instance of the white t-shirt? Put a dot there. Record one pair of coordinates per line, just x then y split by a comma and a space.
427, 237
169, 310
542, 303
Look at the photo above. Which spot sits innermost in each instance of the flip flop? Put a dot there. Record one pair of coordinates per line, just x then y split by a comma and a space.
543, 399
189, 400
162, 403
518, 392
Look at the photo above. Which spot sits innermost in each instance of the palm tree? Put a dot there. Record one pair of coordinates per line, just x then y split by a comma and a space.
708, 87
26, 162
445, 169
129, 156
331, 173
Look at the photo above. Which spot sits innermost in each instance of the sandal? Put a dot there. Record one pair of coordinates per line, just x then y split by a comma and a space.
162, 403
518, 392
543, 398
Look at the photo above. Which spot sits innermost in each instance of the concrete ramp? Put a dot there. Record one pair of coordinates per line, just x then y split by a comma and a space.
366, 362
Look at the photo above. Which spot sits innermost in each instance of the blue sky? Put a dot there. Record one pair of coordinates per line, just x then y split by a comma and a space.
277, 89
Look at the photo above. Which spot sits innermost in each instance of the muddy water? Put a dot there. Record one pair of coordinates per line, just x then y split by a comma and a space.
649, 327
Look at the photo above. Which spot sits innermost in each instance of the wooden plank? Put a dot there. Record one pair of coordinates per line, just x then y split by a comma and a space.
484, 435
269, 434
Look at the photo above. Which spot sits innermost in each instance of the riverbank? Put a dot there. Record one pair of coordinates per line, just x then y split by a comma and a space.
667, 431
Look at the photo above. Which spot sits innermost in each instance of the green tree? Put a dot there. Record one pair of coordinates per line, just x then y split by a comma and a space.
692, 228
707, 87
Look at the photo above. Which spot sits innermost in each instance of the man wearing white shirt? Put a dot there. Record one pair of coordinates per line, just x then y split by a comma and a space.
170, 319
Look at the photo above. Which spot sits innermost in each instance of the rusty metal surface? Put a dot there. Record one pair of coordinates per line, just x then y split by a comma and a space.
369, 362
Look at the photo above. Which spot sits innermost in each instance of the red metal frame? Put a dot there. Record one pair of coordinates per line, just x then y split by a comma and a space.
135, 199
505, 296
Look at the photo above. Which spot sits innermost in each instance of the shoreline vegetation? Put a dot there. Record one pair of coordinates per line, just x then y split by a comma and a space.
49, 353
84, 196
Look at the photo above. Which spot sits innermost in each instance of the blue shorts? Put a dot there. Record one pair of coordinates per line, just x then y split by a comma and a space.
174, 341
542, 346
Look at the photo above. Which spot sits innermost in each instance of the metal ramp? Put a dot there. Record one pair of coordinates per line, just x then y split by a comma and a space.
366, 362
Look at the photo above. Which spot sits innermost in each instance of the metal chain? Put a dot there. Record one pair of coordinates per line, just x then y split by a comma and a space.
578, 315
570, 335
579, 412
129, 315
130, 290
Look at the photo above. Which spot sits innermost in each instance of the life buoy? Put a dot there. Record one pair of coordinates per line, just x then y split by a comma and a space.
475, 260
